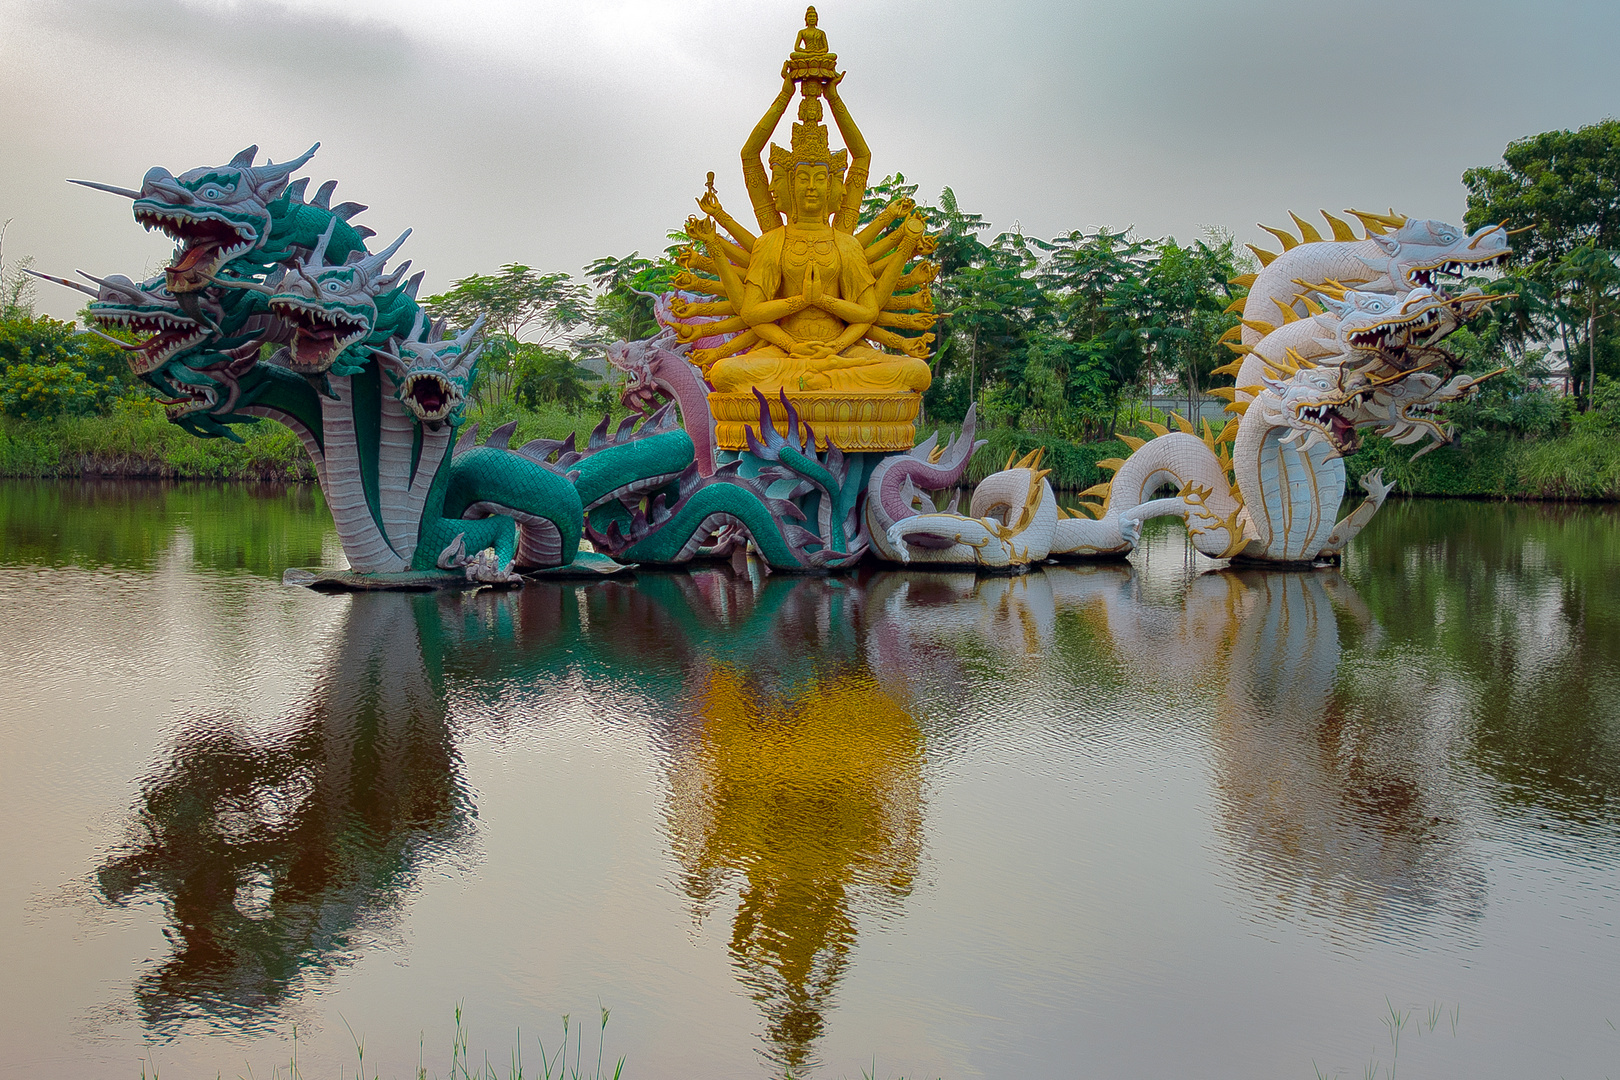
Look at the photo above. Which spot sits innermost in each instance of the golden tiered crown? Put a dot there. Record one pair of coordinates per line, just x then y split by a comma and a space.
809, 148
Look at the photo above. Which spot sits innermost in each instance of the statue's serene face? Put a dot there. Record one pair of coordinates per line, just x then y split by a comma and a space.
811, 184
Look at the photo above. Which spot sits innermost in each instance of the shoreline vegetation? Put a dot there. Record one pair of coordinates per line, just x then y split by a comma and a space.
1056, 341
135, 441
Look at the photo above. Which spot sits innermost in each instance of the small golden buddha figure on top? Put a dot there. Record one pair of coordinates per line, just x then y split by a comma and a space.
810, 42
812, 301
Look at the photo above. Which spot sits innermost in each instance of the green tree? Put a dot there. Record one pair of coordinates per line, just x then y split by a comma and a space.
1593, 283
50, 368
520, 306
554, 375
520, 302
1185, 295
1563, 189
623, 308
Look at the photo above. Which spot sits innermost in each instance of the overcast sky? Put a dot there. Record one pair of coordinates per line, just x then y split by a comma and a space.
550, 133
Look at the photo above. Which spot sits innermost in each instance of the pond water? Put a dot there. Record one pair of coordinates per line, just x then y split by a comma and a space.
1140, 819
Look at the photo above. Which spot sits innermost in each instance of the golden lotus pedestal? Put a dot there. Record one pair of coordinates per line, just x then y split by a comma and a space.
856, 422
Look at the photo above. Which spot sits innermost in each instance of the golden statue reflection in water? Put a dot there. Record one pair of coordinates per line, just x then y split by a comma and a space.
805, 794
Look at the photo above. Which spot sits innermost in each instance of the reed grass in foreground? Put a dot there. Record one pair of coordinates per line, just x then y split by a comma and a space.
553, 1064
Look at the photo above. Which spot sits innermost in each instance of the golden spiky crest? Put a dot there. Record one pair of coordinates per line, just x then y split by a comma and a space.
1244, 280
1229, 432
1277, 369
1266, 257
1098, 489
1310, 305
1259, 326
1238, 407
1209, 434
1238, 347
1229, 369
1307, 231
936, 453
1115, 464
1235, 531
1326, 288
1227, 392
1299, 361
1285, 238
1157, 429
1378, 224
1236, 307
1182, 423
1288, 313
1341, 229
1231, 333
1093, 509
1031, 460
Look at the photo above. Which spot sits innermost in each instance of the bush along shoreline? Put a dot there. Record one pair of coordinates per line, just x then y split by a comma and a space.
136, 441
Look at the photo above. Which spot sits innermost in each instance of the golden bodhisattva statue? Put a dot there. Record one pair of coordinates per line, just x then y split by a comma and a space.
815, 305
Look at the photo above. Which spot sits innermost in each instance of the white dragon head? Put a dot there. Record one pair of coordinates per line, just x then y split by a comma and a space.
1417, 252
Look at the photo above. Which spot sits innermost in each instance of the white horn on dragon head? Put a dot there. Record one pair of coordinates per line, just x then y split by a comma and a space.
269, 175
371, 265
64, 281
127, 193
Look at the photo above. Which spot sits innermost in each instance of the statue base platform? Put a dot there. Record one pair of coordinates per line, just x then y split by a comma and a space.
822, 67
856, 422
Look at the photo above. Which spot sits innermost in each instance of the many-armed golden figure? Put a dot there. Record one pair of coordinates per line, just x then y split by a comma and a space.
812, 300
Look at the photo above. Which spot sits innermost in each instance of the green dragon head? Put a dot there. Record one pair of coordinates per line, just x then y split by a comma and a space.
148, 308
214, 213
332, 309
432, 373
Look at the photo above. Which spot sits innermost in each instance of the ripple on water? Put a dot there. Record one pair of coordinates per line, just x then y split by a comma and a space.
974, 825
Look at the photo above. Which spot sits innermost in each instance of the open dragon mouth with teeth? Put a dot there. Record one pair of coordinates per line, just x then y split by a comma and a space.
1424, 276
319, 334
1394, 336
429, 395
206, 242
190, 399
1326, 418
168, 336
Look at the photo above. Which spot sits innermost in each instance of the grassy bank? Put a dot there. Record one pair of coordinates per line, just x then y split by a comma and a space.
137, 441
1583, 465
1073, 465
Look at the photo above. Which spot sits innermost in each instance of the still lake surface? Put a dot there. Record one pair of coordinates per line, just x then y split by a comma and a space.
1138, 819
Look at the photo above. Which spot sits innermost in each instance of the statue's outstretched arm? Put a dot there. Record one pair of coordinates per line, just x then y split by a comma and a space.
703, 231
709, 203
754, 176
860, 164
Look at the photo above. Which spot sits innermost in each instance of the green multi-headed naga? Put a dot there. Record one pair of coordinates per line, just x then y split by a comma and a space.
273, 308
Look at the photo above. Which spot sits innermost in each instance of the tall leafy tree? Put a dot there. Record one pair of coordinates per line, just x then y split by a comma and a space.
623, 309
521, 306
1563, 189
